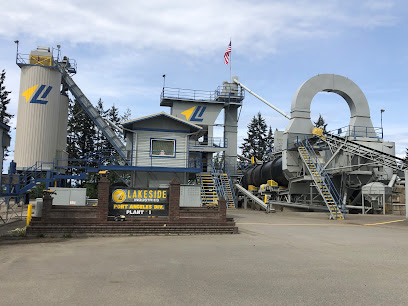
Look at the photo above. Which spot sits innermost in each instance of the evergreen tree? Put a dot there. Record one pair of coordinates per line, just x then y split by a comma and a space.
4, 100
100, 139
320, 123
269, 144
113, 115
255, 143
126, 116
85, 140
81, 136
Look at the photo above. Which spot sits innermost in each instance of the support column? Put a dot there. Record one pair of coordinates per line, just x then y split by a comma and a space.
222, 209
231, 134
174, 200
46, 207
103, 198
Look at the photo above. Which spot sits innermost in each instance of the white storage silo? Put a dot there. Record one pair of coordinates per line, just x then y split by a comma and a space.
38, 113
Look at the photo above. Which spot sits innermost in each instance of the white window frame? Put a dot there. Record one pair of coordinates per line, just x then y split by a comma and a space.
162, 139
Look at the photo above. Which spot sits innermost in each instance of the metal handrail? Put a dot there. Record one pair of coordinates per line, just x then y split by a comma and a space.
215, 176
111, 157
234, 196
358, 131
326, 178
69, 64
222, 94
187, 94
213, 142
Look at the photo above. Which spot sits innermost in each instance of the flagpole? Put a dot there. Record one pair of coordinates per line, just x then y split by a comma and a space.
230, 62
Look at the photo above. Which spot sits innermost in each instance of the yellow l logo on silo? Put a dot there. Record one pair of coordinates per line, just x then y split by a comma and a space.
29, 92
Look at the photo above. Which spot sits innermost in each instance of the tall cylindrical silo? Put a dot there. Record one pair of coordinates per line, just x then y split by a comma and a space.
38, 112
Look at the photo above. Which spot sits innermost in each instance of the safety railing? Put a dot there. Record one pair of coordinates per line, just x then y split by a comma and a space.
225, 93
105, 158
213, 142
229, 93
218, 184
92, 162
141, 158
39, 60
358, 132
234, 196
326, 178
187, 94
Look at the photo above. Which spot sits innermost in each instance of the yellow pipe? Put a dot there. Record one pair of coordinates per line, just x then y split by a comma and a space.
29, 210
266, 199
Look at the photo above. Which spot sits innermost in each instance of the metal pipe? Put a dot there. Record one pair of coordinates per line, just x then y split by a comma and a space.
260, 98
392, 181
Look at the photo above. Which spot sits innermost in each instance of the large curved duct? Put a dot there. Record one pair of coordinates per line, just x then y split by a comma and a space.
300, 122
260, 174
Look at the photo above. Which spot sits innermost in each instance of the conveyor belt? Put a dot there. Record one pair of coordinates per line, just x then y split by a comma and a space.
93, 113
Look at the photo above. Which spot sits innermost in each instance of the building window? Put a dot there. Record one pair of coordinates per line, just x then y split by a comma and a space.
162, 147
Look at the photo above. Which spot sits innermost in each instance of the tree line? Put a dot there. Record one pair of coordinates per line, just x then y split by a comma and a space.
259, 142
85, 140
5, 116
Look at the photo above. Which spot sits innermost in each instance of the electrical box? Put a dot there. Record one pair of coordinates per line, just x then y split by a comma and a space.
69, 196
190, 196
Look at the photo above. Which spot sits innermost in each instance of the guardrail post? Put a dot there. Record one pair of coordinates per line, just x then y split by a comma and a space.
29, 211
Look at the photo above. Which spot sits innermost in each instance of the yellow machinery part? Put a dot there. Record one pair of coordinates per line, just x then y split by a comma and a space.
317, 131
272, 183
252, 188
40, 60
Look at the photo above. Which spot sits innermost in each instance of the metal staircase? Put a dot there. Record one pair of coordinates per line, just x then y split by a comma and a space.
322, 181
93, 113
208, 190
228, 190
337, 143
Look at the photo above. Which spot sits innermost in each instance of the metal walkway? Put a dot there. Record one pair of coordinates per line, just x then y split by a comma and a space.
93, 113
322, 181
337, 143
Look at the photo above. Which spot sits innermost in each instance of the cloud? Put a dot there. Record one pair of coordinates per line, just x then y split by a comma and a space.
186, 26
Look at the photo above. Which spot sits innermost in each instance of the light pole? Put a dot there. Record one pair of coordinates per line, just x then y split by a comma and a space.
382, 131
164, 82
16, 42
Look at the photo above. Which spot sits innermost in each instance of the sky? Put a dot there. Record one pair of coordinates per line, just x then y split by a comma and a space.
123, 48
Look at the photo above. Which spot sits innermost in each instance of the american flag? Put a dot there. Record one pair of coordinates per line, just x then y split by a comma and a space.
227, 54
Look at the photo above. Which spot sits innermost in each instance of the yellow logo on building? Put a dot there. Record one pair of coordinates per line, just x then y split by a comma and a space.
195, 113
37, 96
119, 196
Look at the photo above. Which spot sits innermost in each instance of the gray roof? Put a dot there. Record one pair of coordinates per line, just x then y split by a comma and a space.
158, 115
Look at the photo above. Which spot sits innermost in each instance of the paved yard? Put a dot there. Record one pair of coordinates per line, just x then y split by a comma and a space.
281, 259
